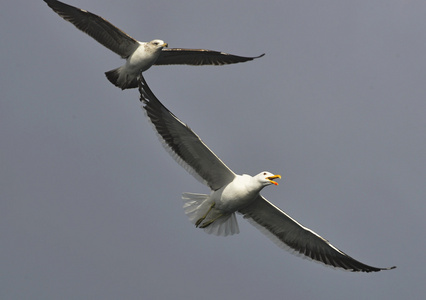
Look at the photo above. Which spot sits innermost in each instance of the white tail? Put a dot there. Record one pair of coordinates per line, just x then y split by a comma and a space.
197, 205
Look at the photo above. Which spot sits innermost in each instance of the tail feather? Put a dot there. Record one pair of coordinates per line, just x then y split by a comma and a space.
195, 207
224, 226
121, 79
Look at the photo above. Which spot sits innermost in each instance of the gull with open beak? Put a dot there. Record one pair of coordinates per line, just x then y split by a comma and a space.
232, 193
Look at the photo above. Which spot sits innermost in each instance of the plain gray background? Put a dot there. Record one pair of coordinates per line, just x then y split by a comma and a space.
90, 202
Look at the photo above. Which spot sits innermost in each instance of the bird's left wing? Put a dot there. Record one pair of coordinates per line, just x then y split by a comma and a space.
97, 27
183, 144
198, 57
290, 235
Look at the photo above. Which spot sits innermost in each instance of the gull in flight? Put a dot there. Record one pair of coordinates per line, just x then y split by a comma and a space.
232, 193
140, 56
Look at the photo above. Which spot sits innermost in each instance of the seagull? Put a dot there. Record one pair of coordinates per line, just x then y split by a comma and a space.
140, 56
232, 193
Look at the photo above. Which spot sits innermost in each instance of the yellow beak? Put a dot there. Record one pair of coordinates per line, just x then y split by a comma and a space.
273, 177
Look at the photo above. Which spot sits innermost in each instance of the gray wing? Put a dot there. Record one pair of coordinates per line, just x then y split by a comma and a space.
290, 235
198, 57
98, 28
183, 144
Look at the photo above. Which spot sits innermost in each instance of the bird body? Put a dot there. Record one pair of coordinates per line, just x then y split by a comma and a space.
145, 55
241, 191
216, 211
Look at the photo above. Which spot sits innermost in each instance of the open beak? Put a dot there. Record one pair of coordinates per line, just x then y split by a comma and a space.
273, 177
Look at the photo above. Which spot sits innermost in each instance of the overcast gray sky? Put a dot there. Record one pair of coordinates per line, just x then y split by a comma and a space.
90, 202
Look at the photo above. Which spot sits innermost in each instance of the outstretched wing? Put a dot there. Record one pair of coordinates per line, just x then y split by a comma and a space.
290, 235
183, 144
98, 28
198, 57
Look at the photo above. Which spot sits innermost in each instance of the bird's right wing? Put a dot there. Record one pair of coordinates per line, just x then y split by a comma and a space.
199, 57
97, 27
290, 235
183, 144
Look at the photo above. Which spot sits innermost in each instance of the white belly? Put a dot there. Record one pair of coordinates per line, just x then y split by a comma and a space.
235, 195
140, 60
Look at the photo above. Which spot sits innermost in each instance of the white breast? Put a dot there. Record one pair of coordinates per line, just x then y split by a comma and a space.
237, 194
141, 60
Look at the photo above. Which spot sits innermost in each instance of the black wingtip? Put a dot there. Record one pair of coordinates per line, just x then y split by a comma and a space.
55, 5
382, 269
252, 57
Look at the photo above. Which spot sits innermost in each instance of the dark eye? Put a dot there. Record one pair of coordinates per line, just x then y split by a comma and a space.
264, 173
